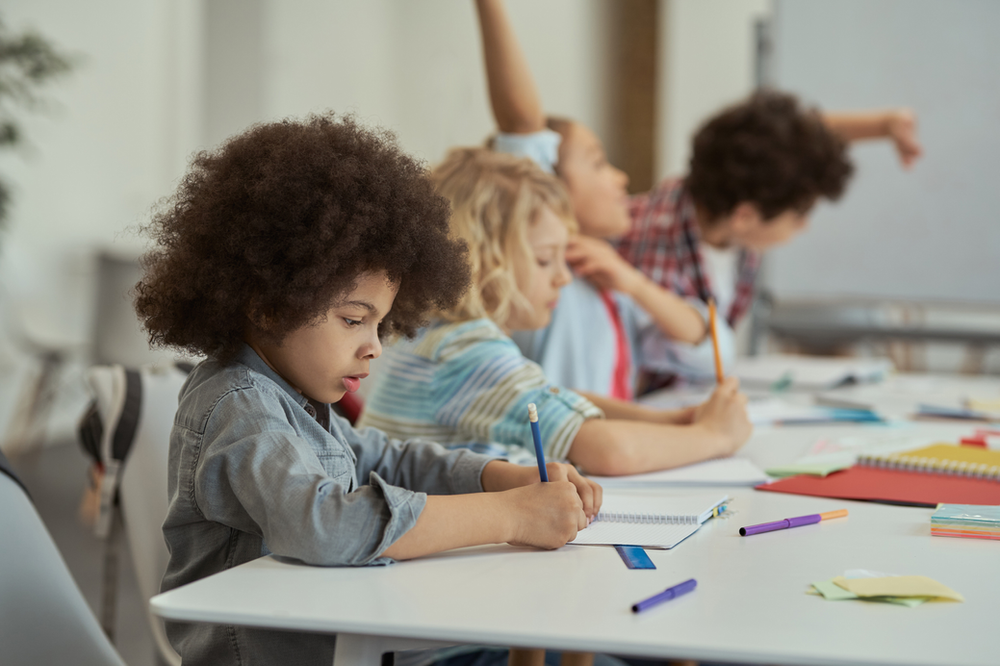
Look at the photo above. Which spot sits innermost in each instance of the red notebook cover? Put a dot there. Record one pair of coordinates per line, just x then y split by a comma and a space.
892, 486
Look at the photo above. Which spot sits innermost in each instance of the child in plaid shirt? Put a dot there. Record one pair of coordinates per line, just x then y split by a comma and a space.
756, 175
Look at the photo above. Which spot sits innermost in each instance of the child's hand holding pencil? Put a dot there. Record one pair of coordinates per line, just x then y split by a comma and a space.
724, 417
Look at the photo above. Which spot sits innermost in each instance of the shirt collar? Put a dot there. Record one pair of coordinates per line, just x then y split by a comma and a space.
248, 357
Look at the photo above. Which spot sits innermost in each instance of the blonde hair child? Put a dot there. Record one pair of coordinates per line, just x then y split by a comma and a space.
463, 382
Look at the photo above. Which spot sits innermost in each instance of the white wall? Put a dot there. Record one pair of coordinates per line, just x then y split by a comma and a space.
416, 68
105, 150
706, 61
159, 79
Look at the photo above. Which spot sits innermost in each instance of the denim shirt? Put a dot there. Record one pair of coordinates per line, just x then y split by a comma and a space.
253, 472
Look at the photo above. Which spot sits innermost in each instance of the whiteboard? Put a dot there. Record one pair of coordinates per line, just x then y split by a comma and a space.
931, 234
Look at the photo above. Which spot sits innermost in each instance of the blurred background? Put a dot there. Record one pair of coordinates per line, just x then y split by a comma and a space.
907, 264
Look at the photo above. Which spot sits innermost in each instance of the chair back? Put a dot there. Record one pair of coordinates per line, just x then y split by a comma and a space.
44, 618
142, 476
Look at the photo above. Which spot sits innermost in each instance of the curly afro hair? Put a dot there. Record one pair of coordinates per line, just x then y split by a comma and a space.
264, 233
768, 151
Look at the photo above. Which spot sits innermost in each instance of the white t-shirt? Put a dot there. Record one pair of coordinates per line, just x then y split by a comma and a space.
721, 266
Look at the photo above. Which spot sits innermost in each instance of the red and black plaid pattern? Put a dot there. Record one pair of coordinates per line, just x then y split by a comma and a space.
664, 244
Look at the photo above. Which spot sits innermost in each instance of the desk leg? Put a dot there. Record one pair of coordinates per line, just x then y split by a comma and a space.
361, 650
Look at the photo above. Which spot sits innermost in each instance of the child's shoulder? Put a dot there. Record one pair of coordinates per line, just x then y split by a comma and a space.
212, 385
443, 341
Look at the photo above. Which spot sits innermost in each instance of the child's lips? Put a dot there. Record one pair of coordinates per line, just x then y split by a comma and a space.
353, 383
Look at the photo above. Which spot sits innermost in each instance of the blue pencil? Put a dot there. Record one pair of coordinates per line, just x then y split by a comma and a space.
536, 435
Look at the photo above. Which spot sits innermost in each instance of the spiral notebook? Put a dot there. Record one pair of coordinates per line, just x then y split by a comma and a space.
650, 522
941, 473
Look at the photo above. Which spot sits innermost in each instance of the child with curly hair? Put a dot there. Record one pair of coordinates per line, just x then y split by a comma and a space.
463, 381
284, 256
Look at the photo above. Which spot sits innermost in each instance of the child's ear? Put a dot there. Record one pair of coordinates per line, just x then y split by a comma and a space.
745, 217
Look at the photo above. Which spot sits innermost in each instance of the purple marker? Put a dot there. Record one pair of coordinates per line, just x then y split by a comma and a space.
666, 595
798, 521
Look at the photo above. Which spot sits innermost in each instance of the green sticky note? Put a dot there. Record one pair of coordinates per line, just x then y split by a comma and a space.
813, 469
902, 601
833, 592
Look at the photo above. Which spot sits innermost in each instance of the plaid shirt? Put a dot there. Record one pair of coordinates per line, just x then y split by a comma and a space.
663, 244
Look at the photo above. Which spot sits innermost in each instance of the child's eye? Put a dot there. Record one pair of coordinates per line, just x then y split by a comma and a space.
352, 322
544, 263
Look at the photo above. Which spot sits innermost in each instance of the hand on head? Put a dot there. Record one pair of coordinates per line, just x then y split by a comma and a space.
596, 261
725, 414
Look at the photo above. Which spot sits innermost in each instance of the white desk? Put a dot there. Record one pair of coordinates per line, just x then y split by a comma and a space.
750, 605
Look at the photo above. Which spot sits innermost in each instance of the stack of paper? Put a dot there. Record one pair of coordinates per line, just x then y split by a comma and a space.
809, 372
775, 411
874, 586
966, 520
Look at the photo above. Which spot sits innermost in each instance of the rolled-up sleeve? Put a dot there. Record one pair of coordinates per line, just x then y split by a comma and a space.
541, 147
695, 362
417, 464
259, 476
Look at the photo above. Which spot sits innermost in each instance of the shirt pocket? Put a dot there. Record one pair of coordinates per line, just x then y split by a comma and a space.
339, 466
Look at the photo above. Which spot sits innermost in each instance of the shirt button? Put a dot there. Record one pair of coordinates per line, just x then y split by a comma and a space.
311, 410
553, 389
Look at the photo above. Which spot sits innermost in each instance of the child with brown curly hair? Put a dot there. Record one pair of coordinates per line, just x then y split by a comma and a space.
284, 256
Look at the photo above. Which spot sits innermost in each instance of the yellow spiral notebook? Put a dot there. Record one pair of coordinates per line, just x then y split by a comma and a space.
972, 461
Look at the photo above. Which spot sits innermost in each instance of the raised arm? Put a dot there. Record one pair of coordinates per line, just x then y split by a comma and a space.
897, 125
517, 106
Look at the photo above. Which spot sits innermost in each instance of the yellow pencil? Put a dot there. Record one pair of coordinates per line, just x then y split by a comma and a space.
719, 376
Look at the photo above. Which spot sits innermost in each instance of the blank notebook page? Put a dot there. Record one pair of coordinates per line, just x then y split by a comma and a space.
652, 522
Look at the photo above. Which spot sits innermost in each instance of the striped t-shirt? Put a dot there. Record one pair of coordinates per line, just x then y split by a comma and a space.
467, 384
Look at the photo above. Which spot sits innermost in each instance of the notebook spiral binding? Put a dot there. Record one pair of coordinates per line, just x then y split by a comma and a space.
932, 466
645, 518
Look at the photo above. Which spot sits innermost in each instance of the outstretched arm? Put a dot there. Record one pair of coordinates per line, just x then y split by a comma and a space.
897, 125
517, 106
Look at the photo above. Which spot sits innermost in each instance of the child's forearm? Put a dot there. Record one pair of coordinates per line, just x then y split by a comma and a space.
896, 125
615, 409
455, 521
546, 515
514, 98
615, 448
860, 124
673, 316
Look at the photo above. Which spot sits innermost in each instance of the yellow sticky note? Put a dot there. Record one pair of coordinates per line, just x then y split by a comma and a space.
898, 586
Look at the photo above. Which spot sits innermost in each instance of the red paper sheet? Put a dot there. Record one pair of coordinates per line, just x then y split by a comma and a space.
892, 487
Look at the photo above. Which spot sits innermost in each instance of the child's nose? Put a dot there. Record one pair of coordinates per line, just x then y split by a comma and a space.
623, 178
563, 275
373, 349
